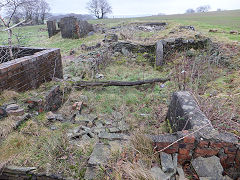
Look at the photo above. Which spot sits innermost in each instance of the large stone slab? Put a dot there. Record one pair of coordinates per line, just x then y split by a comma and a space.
159, 53
208, 167
158, 174
184, 114
91, 173
167, 162
100, 155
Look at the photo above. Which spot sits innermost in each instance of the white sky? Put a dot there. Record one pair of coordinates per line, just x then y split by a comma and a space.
141, 7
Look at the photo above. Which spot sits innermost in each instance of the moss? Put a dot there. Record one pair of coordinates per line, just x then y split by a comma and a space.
169, 127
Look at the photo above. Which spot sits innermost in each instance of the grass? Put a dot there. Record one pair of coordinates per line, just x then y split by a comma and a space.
143, 107
36, 145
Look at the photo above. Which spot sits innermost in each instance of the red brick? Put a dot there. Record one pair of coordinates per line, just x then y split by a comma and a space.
230, 158
190, 146
202, 144
183, 151
217, 145
206, 151
161, 145
171, 150
182, 158
230, 150
189, 139
224, 163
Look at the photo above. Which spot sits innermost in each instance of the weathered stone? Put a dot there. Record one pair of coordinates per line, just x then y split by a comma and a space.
12, 107
175, 160
233, 32
156, 24
90, 48
22, 119
187, 27
53, 99
158, 174
3, 112
113, 136
100, 155
91, 173
123, 126
85, 128
184, 114
52, 29
85, 137
99, 124
98, 130
114, 130
181, 173
54, 117
73, 136
110, 38
167, 162
159, 54
85, 28
125, 52
133, 48
69, 28
208, 167
85, 119
53, 128
75, 130
91, 33
17, 169
117, 116
18, 112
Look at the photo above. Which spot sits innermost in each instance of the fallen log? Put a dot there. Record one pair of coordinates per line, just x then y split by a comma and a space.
119, 83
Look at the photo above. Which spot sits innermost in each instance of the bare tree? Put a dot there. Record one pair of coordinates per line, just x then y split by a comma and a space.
190, 11
36, 11
105, 8
204, 8
99, 8
44, 9
12, 7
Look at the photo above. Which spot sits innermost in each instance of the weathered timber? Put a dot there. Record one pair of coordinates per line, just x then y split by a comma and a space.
119, 83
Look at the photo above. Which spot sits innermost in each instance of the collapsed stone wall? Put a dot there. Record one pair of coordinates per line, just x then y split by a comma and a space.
165, 47
185, 117
52, 100
29, 72
23, 173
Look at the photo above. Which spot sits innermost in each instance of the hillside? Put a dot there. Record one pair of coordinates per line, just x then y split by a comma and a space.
120, 131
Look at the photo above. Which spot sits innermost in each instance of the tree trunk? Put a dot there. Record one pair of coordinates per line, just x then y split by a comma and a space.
10, 43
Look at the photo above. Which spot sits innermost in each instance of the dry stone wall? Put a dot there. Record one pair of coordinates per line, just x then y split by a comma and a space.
29, 72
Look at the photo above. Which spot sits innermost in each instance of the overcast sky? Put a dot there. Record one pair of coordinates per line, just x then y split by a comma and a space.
142, 7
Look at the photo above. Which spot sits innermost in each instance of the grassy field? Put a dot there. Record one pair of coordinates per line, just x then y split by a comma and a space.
215, 84
223, 21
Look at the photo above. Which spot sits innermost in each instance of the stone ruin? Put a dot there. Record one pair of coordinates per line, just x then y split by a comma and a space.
52, 28
70, 27
30, 68
162, 50
212, 154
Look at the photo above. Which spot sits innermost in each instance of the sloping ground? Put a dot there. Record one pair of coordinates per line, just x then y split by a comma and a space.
63, 145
